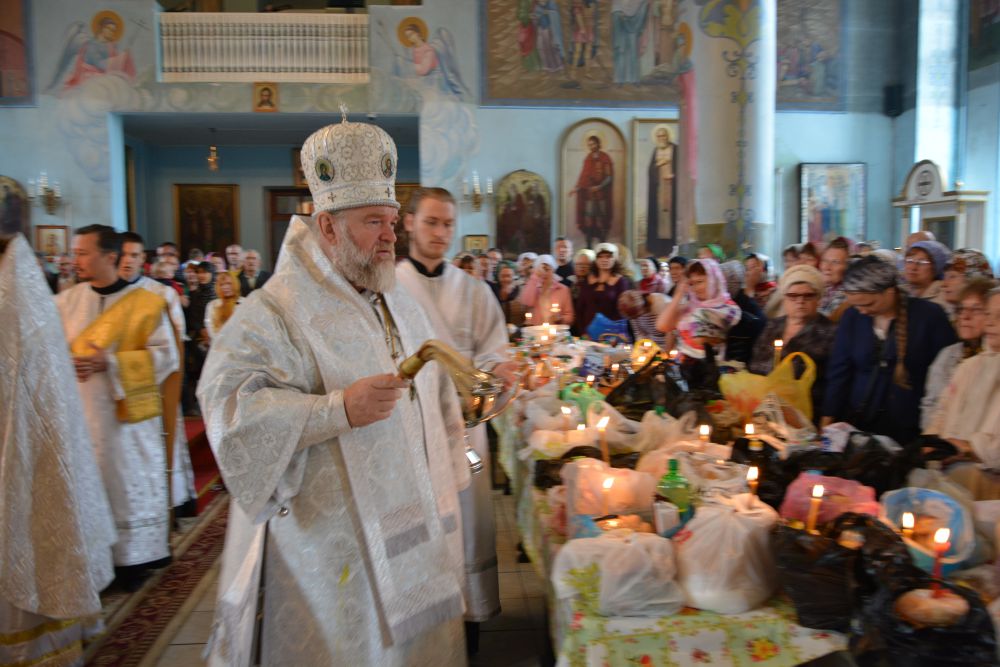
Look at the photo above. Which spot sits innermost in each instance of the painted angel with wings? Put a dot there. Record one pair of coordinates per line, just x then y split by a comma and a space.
84, 56
433, 61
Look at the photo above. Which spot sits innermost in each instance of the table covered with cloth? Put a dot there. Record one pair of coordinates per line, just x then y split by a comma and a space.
767, 637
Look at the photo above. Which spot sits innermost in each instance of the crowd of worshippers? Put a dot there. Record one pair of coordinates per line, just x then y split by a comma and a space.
886, 329
209, 285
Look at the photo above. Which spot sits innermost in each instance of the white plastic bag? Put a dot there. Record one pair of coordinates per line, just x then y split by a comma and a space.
655, 430
595, 489
553, 444
638, 573
622, 433
655, 462
708, 474
724, 555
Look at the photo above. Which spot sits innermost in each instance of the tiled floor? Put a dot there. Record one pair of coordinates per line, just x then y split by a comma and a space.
515, 638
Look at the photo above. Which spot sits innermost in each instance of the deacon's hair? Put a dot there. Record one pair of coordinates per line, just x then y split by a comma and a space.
108, 240
132, 237
421, 194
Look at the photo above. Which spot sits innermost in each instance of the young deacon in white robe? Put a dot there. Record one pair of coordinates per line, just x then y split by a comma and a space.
55, 553
466, 315
130, 270
120, 362
344, 479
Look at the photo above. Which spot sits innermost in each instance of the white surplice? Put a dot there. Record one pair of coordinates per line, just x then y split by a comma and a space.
182, 475
354, 533
466, 315
55, 522
131, 456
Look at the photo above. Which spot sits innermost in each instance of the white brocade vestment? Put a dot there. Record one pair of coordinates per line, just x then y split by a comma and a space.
182, 475
466, 315
131, 456
354, 533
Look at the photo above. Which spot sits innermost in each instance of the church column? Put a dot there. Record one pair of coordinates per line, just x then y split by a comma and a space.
734, 65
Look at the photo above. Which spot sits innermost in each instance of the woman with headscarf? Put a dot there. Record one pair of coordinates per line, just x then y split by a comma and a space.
884, 345
649, 269
702, 311
741, 337
600, 291
582, 263
547, 299
525, 266
923, 268
712, 251
221, 308
964, 265
833, 265
968, 414
507, 290
801, 329
970, 323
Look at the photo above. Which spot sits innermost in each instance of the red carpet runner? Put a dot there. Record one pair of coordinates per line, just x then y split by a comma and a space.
206, 473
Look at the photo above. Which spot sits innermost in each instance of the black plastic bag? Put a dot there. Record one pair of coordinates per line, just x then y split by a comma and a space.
867, 461
642, 391
771, 468
547, 471
970, 642
818, 575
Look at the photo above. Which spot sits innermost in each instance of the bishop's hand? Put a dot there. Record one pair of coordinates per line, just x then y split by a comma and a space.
372, 399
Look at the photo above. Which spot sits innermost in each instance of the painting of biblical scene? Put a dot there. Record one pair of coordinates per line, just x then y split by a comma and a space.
811, 68
206, 217
592, 184
403, 192
656, 187
832, 201
15, 212
584, 52
984, 33
93, 51
15, 55
524, 213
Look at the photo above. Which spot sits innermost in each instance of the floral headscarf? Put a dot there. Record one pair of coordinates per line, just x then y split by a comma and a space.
709, 318
970, 262
718, 292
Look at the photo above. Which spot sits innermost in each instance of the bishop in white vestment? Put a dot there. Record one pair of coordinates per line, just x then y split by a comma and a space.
466, 315
350, 523
129, 453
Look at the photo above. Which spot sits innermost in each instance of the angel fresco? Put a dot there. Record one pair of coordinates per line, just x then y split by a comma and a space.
432, 62
85, 56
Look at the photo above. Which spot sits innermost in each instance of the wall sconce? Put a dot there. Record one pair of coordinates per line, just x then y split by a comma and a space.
49, 195
476, 197
213, 158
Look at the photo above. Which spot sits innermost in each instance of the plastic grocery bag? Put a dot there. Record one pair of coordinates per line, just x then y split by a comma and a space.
710, 474
637, 573
589, 491
602, 325
655, 463
839, 496
553, 444
745, 390
657, 430
622, 433
724, 555
932, 510
876, 461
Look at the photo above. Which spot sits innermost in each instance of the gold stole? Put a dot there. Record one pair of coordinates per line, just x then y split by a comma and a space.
126, 326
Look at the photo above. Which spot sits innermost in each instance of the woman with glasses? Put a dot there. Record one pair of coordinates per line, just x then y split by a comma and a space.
923, 269
970, 324
968, 414
833, 265
964, 265
884, 345
801, 329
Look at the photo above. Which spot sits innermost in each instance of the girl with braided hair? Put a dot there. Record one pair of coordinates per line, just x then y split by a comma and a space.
884, 346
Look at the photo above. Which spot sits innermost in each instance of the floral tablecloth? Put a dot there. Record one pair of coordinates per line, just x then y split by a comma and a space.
767, 637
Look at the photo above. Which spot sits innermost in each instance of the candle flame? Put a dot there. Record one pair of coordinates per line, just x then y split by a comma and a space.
603, 423
614, 368
673, 354
908, 520
942, 535
642, 360
704, 429
818, 491
566, 411
752, 474
647, 344
749, 429
608, 482
590, 379
778, 343
580, 427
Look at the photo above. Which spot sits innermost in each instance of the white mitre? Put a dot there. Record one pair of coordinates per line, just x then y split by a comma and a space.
349, 165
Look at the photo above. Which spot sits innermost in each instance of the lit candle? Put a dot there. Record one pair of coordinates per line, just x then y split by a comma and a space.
749, 430
566, 413
590, 380
752, 475
814, 503
941, 545
527, 319
614, 370
544, 338
778, 346
672, 355
703, 432
607, 484
602, 426
641, 360
581, 427
908, 522
646, 344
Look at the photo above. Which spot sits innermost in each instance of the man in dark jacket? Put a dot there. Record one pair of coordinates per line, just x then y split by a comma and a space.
252, 277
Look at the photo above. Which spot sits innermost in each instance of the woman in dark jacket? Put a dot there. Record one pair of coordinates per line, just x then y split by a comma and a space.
884, 346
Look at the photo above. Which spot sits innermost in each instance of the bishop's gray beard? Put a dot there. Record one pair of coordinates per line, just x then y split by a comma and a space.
362, 269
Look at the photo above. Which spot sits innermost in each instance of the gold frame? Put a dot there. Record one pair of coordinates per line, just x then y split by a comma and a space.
38, 240
476, 243
259, 86
566, 226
